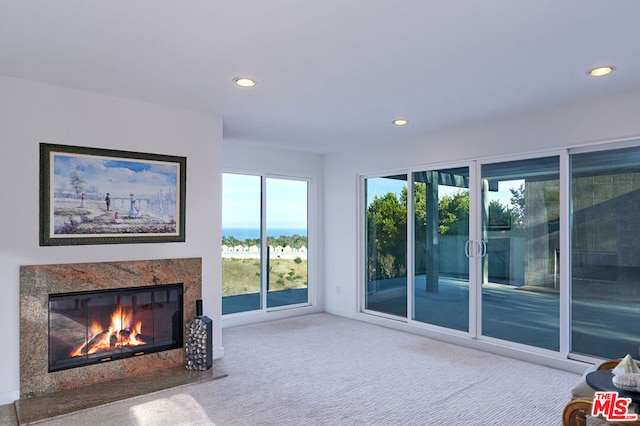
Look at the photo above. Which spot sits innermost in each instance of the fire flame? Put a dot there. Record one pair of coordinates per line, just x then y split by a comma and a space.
120, 333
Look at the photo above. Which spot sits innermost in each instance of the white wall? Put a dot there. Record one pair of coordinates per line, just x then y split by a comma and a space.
253, 158
587, 122
31, 113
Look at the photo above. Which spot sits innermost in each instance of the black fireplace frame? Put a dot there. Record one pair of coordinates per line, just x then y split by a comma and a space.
177, 327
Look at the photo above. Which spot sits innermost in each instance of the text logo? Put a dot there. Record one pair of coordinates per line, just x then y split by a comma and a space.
613, 408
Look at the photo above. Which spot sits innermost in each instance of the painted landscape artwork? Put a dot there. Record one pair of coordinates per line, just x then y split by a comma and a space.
98, 196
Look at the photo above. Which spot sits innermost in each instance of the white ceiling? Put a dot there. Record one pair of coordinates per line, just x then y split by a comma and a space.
331, 74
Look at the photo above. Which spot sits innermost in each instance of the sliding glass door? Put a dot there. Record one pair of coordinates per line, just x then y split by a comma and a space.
605, 258
519, 254
286, 221
481, 249
386, 245
440, 247
498, 279
264, 243
241, 243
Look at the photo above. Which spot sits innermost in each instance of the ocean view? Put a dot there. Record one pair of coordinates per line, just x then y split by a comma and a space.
244, 233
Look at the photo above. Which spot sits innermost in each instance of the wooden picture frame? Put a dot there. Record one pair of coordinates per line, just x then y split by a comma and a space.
103, 196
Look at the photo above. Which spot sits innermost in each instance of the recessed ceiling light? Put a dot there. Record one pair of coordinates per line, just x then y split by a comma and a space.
600, 71
244, 82
400, 122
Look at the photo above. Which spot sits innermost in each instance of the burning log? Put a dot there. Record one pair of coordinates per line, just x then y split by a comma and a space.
89, 347
121, 333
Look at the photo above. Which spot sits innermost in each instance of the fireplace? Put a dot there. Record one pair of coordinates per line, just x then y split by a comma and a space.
98, 326
95, 288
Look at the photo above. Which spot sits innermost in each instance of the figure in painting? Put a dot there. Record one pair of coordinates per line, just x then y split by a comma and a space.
107, 200
134, 210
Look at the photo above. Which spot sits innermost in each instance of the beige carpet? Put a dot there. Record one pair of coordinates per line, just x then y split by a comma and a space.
326, 370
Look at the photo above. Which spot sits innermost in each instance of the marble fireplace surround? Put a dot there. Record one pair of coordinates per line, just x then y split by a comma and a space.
38, 281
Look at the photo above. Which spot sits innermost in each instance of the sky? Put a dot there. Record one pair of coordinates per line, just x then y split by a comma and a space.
114, 175
287, 199
286, 202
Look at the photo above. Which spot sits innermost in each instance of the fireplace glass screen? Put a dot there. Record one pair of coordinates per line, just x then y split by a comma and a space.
93, 327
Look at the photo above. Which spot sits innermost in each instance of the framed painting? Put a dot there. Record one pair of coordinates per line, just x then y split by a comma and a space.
102, 196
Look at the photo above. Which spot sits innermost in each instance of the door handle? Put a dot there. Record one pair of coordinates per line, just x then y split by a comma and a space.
479, 251
483, 248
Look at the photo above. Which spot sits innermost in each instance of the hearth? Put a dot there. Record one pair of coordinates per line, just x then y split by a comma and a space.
93, 327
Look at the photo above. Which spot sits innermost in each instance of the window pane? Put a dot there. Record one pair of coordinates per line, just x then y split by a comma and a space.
441, 232
386, 221
521, 235
605, 260
241, 200
286, 212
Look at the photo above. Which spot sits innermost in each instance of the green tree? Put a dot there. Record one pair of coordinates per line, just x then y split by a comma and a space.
387, 227
231, 241
454, 213
387, 224
387, 234
294, 241
387, 263
499, 216
420, 211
